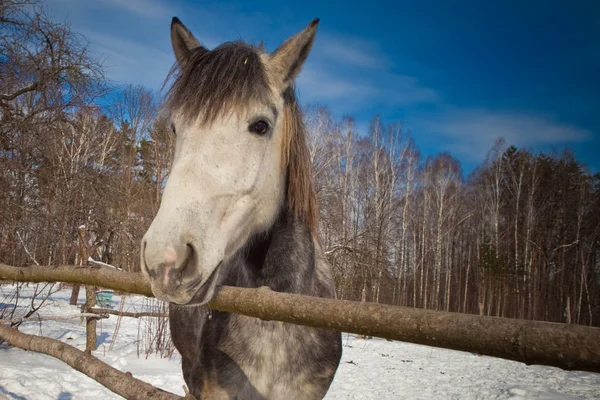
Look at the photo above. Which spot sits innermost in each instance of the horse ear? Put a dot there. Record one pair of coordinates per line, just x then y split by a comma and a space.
286, 62
183, 41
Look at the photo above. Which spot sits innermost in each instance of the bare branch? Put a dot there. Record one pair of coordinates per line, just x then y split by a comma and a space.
53, 318
27, 250
29, 88
102, 311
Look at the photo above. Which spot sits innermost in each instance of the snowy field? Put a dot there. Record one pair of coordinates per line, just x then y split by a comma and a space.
370, 369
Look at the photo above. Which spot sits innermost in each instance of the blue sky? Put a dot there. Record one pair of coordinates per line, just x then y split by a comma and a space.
457, 73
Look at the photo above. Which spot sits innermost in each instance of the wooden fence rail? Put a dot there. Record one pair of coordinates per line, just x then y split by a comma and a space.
571, 347
122, 383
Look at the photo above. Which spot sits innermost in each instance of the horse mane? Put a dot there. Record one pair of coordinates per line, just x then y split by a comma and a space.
230, 77
301, 194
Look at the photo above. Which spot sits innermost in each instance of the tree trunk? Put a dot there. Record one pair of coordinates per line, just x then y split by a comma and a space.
464, 308
74, 295
363, 298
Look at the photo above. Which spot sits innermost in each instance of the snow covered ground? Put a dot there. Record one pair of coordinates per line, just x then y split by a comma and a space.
370, 369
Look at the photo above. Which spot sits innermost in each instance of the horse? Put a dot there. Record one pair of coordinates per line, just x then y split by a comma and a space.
239, 208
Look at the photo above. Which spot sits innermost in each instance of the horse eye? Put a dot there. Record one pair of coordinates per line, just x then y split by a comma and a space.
173, 129
259, 127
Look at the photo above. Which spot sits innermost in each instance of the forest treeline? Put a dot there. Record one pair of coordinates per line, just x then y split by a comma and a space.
518, 237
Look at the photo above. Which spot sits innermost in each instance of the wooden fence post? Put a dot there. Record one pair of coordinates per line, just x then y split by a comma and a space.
90, 295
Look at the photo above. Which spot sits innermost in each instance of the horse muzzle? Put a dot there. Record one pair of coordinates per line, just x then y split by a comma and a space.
175, 276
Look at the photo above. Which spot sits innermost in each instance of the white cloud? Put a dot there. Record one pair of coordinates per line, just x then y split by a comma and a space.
404, 90
472, 132
318, 84
144, 8
350, 51
350, 92
128, 61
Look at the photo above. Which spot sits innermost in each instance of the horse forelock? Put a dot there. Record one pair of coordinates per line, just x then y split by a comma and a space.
211, 83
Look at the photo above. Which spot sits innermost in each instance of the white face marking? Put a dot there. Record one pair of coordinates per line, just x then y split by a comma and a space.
226, 183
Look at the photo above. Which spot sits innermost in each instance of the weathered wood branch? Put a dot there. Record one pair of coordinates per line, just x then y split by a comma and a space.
571, 347
36, 318
122, 383
86, 275
103, 311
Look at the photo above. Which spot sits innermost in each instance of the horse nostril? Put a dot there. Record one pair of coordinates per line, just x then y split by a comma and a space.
151, 273
144, 263
171, 265
188, 259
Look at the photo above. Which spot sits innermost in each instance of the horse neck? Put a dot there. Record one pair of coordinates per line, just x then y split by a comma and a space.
282, 258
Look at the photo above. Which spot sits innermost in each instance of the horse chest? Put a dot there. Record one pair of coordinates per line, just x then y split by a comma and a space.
274, 359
